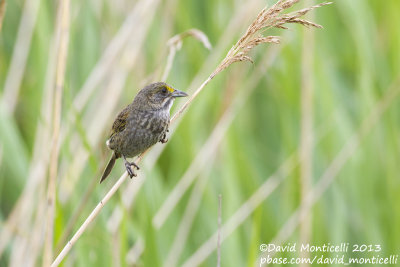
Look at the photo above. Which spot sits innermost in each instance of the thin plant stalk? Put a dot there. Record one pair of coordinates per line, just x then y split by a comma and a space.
88, 220
175, 44
75, 216
62, 33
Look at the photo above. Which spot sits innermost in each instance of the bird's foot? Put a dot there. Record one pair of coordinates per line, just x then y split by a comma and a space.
129, 168
164, 138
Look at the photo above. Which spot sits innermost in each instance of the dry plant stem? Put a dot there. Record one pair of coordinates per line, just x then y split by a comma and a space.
337, 164
175, 44
193, 96
89, 219
75, 215
176, 40
245, 44
62, 33
219, 231
20, 54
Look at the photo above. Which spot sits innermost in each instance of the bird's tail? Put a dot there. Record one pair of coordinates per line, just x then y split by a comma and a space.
109, 167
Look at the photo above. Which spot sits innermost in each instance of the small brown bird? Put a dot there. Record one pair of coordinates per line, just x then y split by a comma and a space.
141, 124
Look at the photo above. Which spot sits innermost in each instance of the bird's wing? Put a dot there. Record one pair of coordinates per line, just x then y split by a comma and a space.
120, 122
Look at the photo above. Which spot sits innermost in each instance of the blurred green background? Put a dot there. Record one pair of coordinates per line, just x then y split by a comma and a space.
294, 127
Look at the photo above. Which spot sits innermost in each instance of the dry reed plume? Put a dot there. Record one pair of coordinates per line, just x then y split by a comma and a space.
266, 19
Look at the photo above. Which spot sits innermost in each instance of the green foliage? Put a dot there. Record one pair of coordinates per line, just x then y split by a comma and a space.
355, 62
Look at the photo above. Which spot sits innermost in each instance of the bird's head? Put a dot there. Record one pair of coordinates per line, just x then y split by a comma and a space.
159, 96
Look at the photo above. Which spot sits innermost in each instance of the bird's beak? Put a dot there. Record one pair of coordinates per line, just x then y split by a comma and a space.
177, 93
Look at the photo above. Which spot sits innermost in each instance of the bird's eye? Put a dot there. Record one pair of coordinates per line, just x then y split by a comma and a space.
164, 90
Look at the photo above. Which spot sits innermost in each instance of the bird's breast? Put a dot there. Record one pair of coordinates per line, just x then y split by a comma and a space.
154, 122
143, 130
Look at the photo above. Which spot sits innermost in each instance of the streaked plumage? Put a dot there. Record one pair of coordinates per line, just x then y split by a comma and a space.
141, 124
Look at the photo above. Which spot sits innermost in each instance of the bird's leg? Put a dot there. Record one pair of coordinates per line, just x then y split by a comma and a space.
129, 169
164, 138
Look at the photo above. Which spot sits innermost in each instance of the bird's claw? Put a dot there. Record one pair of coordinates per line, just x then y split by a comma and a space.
135, 165
164, 138
129, 169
